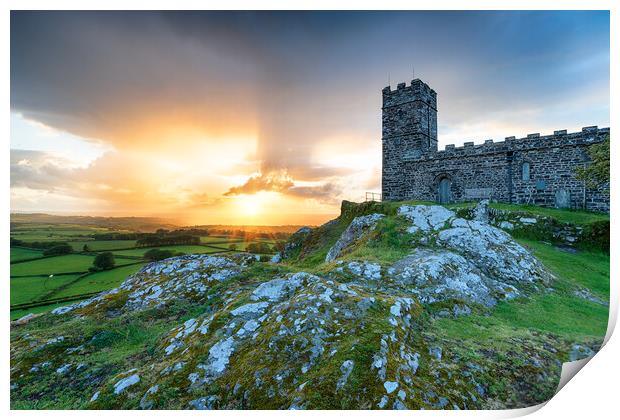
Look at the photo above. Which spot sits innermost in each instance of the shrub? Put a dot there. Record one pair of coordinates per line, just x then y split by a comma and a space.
58, 250
259, 248
16, 242
103, 261
157, 254
596, 235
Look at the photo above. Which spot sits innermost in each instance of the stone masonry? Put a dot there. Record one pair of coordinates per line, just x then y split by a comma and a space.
538, 170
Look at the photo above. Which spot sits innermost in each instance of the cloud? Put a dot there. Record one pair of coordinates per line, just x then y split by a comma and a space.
274, 181
325, 193
281, 182
38, 170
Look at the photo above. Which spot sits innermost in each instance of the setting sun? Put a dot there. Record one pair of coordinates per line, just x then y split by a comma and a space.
252, 204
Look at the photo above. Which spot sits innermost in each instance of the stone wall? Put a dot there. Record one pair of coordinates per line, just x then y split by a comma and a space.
413, 168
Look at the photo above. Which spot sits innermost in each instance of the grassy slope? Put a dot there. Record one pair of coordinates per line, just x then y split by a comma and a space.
559, 313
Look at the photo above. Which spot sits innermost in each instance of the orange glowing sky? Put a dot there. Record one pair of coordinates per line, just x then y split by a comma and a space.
270, 118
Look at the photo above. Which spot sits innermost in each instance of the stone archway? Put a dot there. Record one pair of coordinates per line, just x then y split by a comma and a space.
444, 191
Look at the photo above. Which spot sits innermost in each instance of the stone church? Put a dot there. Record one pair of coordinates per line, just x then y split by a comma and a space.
538, 170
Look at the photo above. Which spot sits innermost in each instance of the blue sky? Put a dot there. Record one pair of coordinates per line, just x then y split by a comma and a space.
294, 95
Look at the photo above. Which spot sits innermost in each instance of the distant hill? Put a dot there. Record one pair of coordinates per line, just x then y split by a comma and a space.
141, 224
250, 228
138, 224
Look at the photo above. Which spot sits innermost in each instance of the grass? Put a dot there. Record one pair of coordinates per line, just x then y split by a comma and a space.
35, 283
220, 239
16, 314
579, 217
389, 242
103, 245
100, 281
562, 215
50, 232
19, 254
242, 246
187, 249
559, 313
53, 265
585, 269
28, 289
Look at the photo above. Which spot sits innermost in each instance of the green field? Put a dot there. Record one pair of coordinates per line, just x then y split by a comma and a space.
53, 265
219, 239
30, 282
102, 245
19, 254
100, 281
186, 249
28, 289
49, 232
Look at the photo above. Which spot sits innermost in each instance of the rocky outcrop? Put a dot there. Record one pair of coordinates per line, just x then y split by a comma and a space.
457, 259
188, 277
435, 276
294, 244
425, 218
349, 334
358, 227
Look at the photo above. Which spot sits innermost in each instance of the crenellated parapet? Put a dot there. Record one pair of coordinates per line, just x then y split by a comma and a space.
559, 138
417, 91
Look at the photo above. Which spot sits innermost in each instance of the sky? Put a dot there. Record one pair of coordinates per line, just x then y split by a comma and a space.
272, 117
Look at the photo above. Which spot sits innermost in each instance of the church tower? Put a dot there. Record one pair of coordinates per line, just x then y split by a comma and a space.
409, 131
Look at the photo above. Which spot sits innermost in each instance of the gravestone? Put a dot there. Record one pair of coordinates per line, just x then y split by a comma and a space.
477, 193
562, 199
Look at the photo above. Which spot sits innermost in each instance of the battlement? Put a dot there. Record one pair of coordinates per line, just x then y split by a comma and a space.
416, 91
559, 138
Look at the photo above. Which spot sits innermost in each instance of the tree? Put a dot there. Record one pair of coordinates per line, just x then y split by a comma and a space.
157, 254
16, 242
596, 174
58, 250
85, 248
259, 248
103, 261
232, 247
